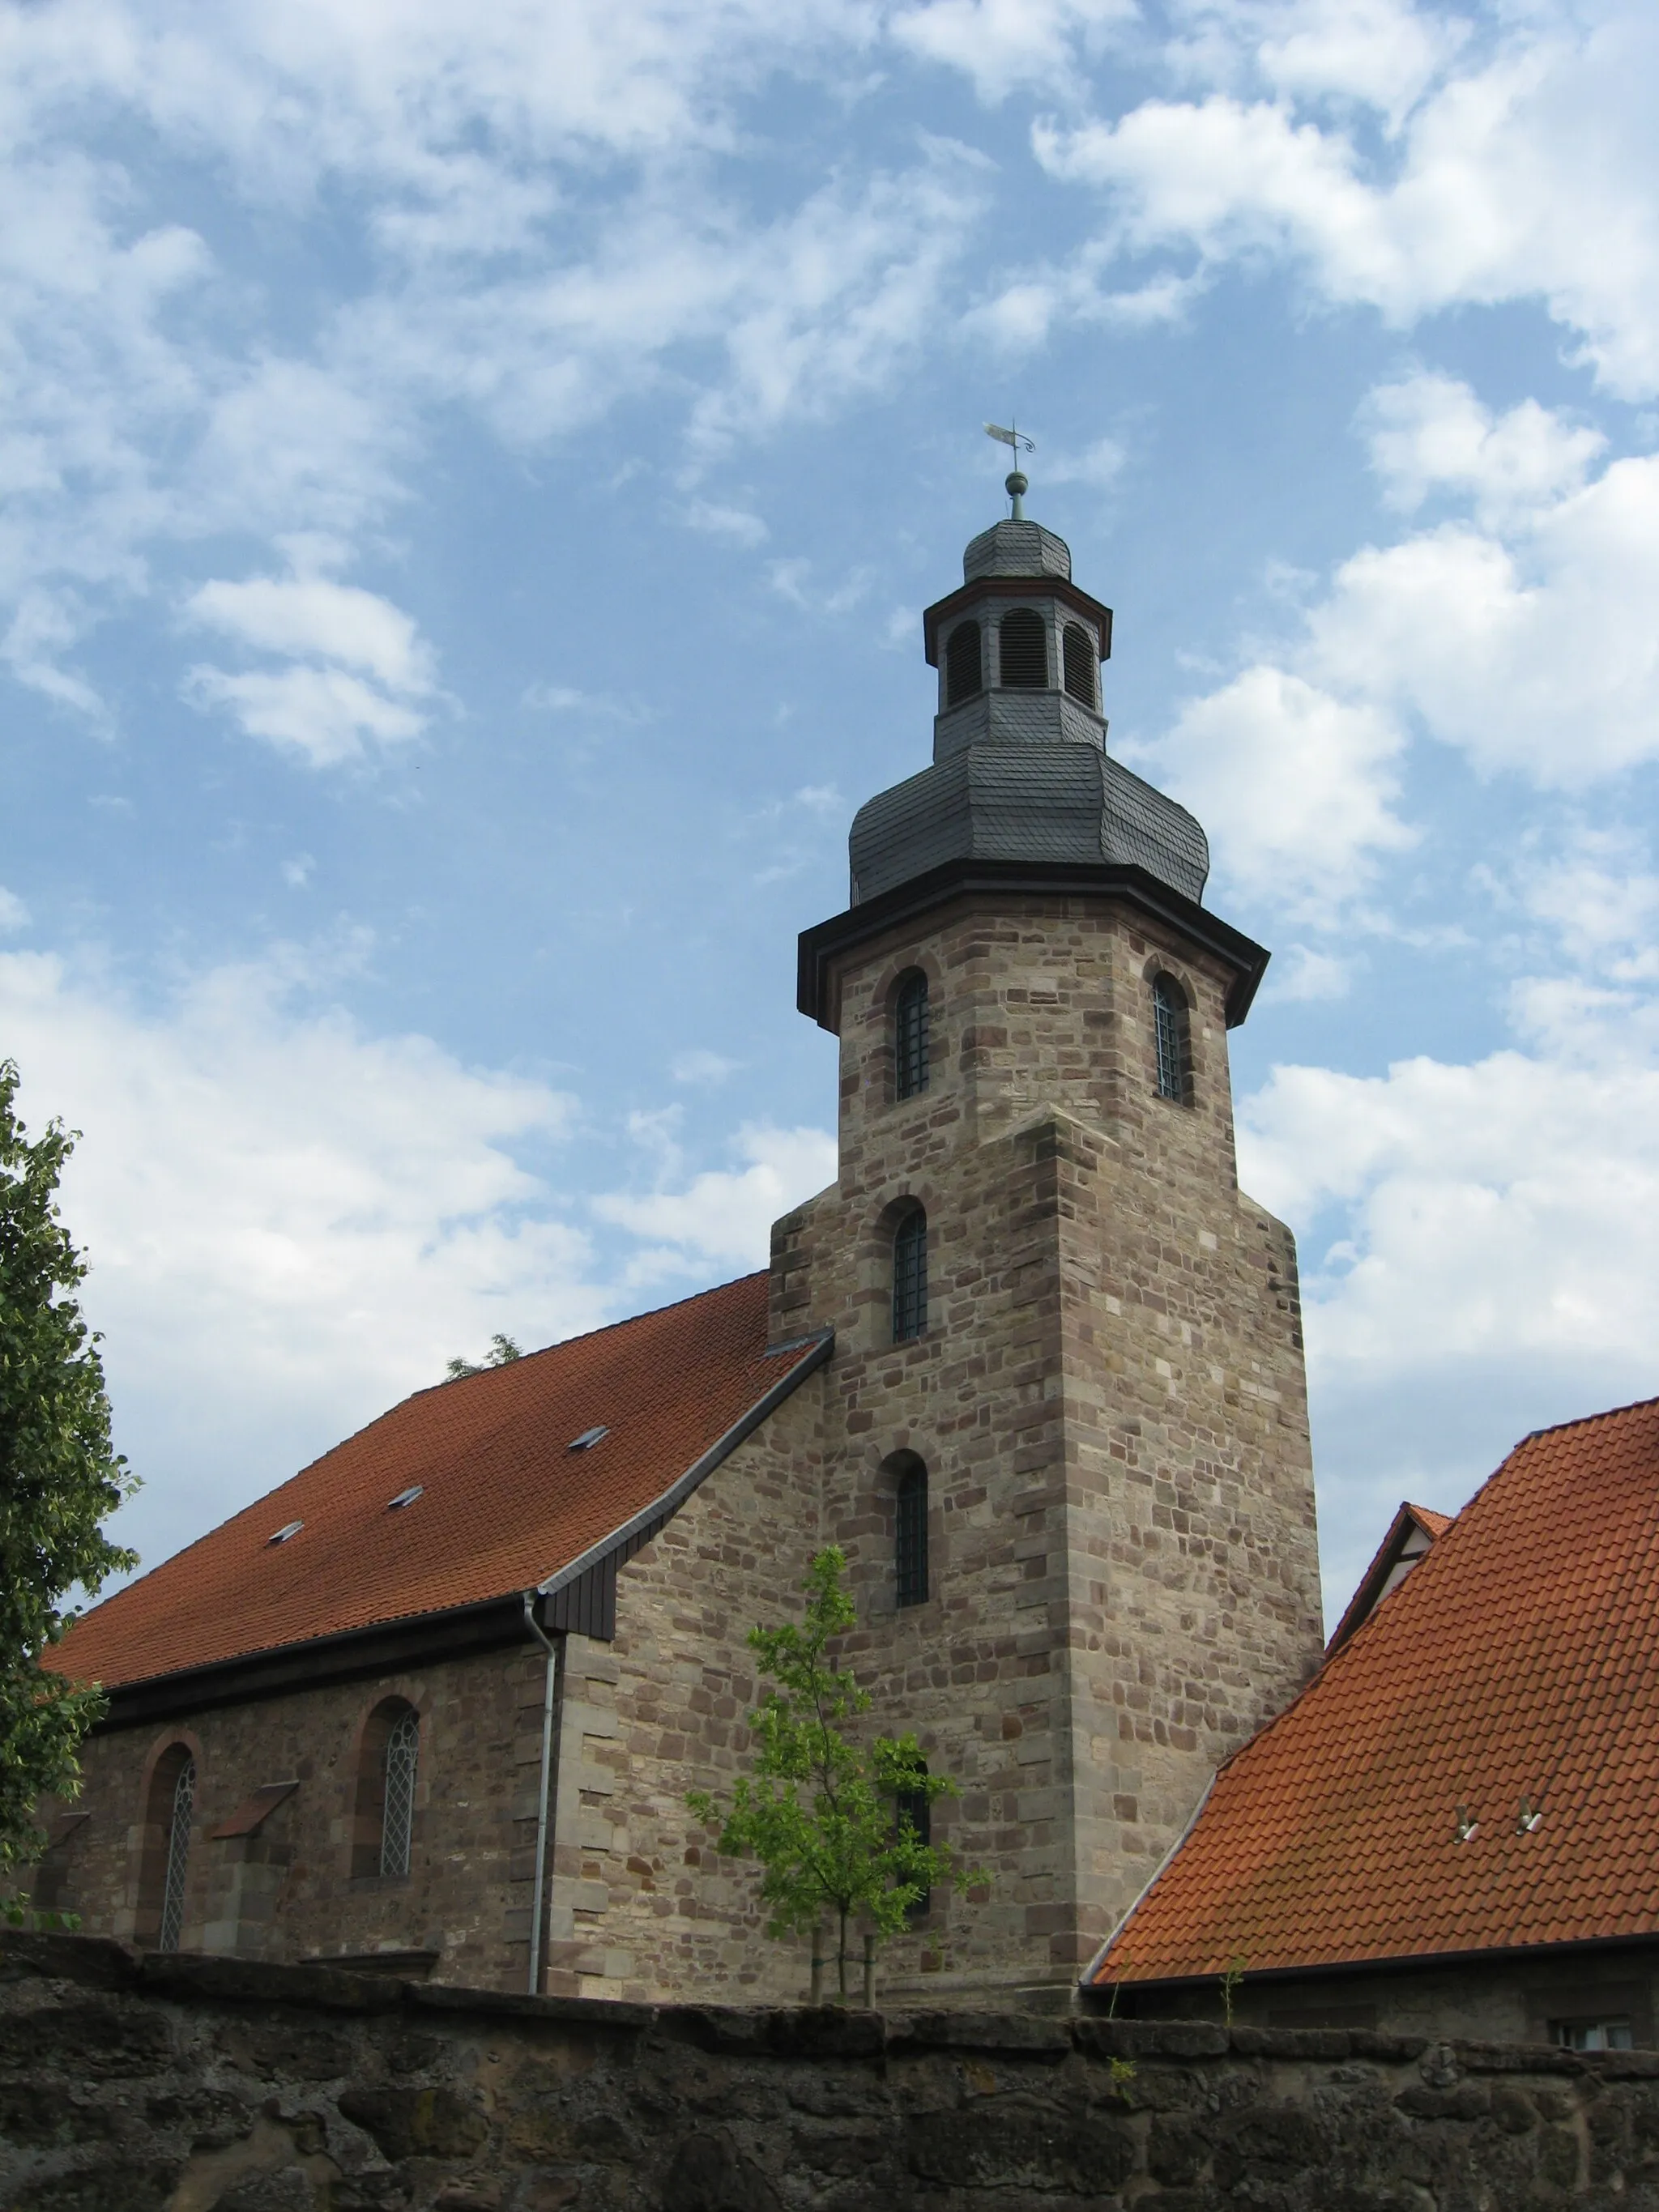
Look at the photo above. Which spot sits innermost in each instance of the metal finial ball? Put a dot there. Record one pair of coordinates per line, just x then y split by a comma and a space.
1017, 484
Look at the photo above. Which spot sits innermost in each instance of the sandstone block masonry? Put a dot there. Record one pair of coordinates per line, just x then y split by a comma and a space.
186, 2085
1109, 1399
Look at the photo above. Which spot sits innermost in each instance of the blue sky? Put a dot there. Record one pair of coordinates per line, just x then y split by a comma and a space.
468, 482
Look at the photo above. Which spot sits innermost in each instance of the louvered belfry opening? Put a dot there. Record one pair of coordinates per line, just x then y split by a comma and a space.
910, 1276
910, 1534
1078, 654
1169, 1023
910, 1026
965, 664
1023, 646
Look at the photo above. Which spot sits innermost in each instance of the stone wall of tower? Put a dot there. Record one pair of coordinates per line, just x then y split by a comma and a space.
1109, 1399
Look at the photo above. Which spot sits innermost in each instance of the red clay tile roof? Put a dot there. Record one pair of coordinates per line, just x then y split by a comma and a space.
1518, 1661
504, 1502
1368, 1592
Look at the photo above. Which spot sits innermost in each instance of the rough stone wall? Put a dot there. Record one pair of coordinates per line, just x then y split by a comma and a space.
176, 2085
642, 1904
288, 1891
1109, 1400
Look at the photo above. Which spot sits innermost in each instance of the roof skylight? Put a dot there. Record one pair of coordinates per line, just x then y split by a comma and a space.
404, 1497
289, 1529
588, 1439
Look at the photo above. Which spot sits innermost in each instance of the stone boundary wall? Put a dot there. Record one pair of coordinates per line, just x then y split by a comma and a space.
131, 2084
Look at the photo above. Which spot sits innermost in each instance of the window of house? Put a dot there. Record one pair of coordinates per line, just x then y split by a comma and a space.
1023, 650
914, 1808
965, 664
1078, 654
1169, 1025
1613, 2033
910, 1276
910, 1036
181, 1813
403, 1751
910, 1535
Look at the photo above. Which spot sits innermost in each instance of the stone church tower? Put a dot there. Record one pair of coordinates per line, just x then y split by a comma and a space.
1065, 1437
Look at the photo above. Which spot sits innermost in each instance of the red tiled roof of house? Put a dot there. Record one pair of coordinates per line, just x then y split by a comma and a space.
1411, 1520
1517, 1665
504, 1502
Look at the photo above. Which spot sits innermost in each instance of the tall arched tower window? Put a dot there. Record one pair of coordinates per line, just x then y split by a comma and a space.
385, 1828
1169, 1027
178, 1874
164, 1867
910, 1035
910, 1276
1023, 646
910, 1533
965, 664
1078, 654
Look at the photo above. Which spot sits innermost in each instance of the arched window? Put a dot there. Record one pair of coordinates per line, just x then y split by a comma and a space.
1169, 1026
910, 1276
1079, 657
164, 1865
965, 664
384, 1827
915, 1809
910, 1533
1023, 650
910, 1036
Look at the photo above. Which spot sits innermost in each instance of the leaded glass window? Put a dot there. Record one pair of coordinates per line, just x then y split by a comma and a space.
1170, 1021
910, 1536
910, 1037
965, 664
402, 1748
910, 1276
172, 1893
1023, 650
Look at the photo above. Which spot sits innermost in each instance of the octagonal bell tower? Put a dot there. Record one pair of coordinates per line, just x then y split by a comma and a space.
1066, 1433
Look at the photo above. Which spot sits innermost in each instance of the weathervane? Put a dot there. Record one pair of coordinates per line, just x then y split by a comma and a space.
1017, 484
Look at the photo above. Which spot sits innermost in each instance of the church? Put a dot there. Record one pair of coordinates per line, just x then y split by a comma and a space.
1035, 1362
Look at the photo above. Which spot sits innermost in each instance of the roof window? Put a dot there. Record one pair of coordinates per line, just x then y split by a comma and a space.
290, 1528
588, 1439
404, 1497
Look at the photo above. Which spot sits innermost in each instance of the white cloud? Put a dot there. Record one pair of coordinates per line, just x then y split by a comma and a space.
1005, 46
1300, 974
723, 1216
735, 524
310, 616
322, 714
291, 1224
1429, 432
1298, 787
13, 914
1510, 160
702, 1066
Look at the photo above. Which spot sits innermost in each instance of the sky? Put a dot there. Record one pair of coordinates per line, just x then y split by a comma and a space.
469, 483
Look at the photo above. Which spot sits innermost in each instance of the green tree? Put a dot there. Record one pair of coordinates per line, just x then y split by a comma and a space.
502, 1350
830, 1819
59, 1480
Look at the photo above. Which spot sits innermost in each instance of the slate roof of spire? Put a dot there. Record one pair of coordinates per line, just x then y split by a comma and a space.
1519, 1660
504, 1502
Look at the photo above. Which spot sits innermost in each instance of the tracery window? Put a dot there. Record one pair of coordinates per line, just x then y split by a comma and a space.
965, 664
910, 1534
1169, 1029
910, 1025
403, 1751
181, 1813
910, 1276
1078, 654
388, 1767
1022, 645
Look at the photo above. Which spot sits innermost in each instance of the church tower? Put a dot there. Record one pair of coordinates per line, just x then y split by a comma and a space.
1065, 1437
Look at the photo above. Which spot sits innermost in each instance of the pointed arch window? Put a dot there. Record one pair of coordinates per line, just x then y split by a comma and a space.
910, 1025
181, 1811
402, 1752
388, 1768
1078, 654
910, 1534
1170, 1035
915, 1809
1023, 650
910, 1276
965, 664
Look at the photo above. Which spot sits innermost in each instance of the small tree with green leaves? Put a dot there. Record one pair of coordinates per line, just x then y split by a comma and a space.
501, 1352
828, 1818
59, 1481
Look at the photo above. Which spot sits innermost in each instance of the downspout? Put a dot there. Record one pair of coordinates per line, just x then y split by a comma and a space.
549, 1701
